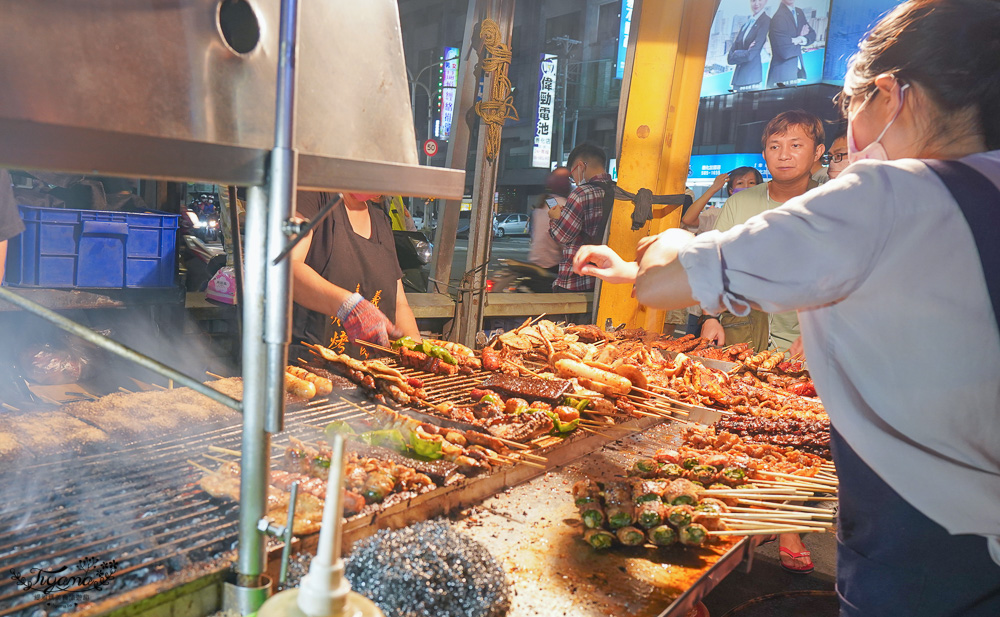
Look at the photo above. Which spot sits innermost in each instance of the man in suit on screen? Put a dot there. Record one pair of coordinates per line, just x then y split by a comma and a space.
790, 31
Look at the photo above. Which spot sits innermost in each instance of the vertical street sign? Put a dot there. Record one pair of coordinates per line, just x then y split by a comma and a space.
541, 152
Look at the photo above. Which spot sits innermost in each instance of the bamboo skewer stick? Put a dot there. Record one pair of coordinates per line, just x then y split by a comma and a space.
783, 506
235, 453
792, 522
10, 407
217, 459
761, 515
794, 477
753, 525
736, 492
529, 322
514, 461
201, 467
821, 514
804, 485
521, 367
769, 532
211, 374
375, 346
776, 496
587, 429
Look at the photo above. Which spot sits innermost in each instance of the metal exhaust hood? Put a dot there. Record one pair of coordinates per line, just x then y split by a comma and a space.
185, 90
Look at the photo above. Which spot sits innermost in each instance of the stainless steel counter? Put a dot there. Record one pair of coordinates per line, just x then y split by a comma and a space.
534, 530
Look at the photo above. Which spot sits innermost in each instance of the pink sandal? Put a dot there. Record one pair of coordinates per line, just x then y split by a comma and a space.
797, 569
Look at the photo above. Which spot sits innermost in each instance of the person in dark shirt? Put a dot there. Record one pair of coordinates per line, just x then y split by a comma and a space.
347, 284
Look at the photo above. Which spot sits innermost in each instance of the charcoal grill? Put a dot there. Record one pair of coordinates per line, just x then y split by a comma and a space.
138, 505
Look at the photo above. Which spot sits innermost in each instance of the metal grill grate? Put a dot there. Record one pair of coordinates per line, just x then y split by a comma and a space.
138, 505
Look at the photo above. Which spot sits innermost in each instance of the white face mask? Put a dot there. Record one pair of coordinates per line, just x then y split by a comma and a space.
874, 151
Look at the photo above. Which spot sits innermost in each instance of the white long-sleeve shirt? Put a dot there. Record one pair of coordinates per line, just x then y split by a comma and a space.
897, 324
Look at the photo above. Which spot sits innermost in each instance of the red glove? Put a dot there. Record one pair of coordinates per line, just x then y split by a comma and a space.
363, 321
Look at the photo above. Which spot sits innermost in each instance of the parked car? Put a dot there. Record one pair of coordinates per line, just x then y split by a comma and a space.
510, 225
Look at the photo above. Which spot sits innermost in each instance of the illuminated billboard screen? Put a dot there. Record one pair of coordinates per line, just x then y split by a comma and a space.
850, 21
764, 44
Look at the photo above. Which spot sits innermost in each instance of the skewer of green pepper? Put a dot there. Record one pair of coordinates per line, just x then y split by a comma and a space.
432, 350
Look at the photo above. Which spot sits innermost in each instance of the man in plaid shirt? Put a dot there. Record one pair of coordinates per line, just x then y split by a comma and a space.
581, 220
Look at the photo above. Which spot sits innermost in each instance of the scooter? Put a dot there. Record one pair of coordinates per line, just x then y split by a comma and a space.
520, 276
413, 252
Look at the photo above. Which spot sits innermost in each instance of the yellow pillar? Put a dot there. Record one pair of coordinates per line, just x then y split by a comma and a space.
662, 108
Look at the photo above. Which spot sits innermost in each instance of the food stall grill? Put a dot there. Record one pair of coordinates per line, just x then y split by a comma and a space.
140, 507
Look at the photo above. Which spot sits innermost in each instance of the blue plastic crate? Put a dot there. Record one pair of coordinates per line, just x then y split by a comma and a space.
92, 248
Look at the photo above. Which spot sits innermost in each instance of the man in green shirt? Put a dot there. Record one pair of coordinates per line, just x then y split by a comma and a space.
793, 142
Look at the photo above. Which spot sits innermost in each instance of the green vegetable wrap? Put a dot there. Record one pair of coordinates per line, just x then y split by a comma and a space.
644, 468
681, 492
646, 490
663, 535
593, 516
649, 514
631, 536
689, 463
692, 535
733, 476
599, 538
704, 474
680, 516
587, 495
620, 507
671, 471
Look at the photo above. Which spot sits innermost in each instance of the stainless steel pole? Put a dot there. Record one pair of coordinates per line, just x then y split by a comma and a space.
256, 443
117, 348
281, 207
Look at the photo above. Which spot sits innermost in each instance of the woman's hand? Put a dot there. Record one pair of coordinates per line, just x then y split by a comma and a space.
720, 180
605, 264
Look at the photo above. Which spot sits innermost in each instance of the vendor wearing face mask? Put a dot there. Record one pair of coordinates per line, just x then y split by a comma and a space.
908, 229
347, 284
793, 142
